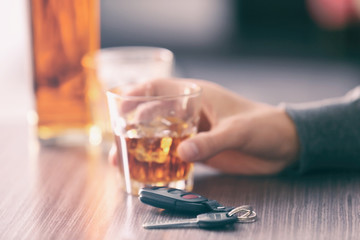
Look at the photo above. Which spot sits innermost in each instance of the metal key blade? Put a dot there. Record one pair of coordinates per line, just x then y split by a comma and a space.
206, 220
172, 224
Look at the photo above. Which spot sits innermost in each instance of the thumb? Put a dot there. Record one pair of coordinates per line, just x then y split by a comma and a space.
204, 145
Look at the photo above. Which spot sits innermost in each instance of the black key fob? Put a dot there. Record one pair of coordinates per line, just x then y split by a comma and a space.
173, 199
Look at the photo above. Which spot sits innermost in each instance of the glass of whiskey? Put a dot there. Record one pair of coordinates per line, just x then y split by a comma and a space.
149, 120
107, 67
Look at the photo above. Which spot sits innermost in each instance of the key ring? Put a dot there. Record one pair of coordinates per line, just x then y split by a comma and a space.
248, 214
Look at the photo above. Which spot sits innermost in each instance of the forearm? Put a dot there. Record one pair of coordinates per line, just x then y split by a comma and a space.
329, 132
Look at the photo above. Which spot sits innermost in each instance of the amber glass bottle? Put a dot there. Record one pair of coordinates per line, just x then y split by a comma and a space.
63, 31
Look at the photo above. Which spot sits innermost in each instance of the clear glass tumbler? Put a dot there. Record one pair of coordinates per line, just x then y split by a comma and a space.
149, 120
108, 67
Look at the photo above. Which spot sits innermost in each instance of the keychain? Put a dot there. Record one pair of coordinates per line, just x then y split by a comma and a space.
211, 213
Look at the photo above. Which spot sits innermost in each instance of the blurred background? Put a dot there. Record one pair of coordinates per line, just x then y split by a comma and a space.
229, 27
271, 51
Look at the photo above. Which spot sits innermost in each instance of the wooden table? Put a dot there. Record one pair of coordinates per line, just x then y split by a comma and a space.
72, 193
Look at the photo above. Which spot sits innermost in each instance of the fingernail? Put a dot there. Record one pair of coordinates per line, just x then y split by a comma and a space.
188, 151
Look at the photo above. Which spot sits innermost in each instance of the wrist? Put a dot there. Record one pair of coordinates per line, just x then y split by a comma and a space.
291, 142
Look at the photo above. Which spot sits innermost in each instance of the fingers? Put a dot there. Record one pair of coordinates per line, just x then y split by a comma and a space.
132, 90
221, 148
206, 144
146, 112
158, 97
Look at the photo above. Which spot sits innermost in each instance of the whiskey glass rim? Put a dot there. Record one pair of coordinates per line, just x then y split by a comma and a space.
190, 90
137, 53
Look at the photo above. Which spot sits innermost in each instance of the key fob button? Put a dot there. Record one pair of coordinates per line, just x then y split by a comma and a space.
175, 191
190, 196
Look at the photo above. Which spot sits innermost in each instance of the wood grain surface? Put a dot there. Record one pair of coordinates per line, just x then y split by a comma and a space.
72, 193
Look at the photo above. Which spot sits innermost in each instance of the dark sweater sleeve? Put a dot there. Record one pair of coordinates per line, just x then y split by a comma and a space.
329, 132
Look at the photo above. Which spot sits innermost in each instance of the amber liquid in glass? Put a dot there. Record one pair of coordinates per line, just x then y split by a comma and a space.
63, 31
153, 160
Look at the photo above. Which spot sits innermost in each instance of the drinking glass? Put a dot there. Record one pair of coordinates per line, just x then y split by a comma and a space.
109, 67
62, 33
149, 120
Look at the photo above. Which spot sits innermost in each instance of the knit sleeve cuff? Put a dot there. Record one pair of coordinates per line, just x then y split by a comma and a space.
329, 132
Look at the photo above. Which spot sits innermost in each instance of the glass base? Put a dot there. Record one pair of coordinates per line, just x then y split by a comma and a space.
67, 138
88, 137
134, 186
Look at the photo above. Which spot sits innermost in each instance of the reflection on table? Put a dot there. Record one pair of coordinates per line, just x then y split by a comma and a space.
72, 193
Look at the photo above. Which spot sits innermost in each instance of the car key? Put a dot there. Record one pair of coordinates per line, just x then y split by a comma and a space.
173, 199
205, 220
178, 200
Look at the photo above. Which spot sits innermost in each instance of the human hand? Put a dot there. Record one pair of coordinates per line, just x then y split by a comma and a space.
239, 136
334, 14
